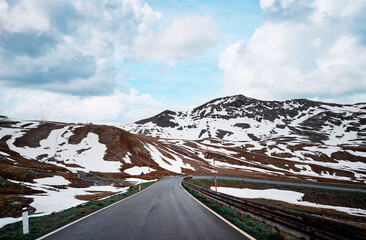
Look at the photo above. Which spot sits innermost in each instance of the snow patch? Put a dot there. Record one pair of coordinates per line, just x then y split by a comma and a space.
138, 170
53, 181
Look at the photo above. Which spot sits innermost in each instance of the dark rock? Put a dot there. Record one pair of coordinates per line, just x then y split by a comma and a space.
242, 125
202, 132
254, 138
222, 133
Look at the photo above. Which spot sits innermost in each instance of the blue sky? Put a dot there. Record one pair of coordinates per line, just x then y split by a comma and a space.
123, 60
185, 82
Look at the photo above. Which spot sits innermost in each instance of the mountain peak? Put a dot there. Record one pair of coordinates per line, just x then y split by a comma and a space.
162, 119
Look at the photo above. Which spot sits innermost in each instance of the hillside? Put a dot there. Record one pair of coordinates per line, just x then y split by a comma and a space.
297, 140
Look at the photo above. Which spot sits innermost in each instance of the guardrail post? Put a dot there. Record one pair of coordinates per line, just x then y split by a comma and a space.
25, 219
281, 233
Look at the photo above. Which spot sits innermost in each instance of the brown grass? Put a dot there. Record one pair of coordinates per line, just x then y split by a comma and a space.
94, 196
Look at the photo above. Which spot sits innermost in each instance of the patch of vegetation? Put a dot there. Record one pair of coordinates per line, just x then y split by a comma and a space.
39, 226
249, 225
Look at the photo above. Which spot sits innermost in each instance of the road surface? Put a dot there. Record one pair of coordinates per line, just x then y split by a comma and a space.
162, 211
329, 187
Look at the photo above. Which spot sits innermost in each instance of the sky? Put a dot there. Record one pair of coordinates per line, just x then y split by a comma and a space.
121, 61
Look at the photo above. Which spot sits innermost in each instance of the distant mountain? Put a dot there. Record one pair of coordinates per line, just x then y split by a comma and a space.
239, 118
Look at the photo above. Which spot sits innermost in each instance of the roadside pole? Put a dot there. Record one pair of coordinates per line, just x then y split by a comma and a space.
25, 219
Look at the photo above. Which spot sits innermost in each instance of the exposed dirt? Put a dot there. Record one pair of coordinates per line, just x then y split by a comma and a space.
33, 136
11, 205
348, 156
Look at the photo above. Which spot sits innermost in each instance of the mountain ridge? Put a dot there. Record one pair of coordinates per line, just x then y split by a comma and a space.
300, 117
142, 121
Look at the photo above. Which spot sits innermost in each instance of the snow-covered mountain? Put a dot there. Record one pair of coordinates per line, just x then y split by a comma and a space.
239, 118
292, 139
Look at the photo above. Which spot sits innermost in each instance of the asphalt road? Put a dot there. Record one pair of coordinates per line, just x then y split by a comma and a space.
285, 183
162, 211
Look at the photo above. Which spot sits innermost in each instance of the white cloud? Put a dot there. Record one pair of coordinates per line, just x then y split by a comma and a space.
23, 17
339, 8
296, 52
38, 104
266, 3
68, 46
182, 39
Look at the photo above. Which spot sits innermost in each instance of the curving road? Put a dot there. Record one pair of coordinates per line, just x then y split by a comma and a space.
162, 211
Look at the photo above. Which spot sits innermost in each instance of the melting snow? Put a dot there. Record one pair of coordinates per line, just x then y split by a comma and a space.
285, 196
175, 165
53, 181
127, 158
138, 170
138, 180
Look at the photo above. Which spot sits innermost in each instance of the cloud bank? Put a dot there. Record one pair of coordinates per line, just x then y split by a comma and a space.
45, 105
72, 46
65, 54
313, 49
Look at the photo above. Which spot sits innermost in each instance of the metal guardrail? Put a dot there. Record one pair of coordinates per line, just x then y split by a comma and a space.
295, 223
